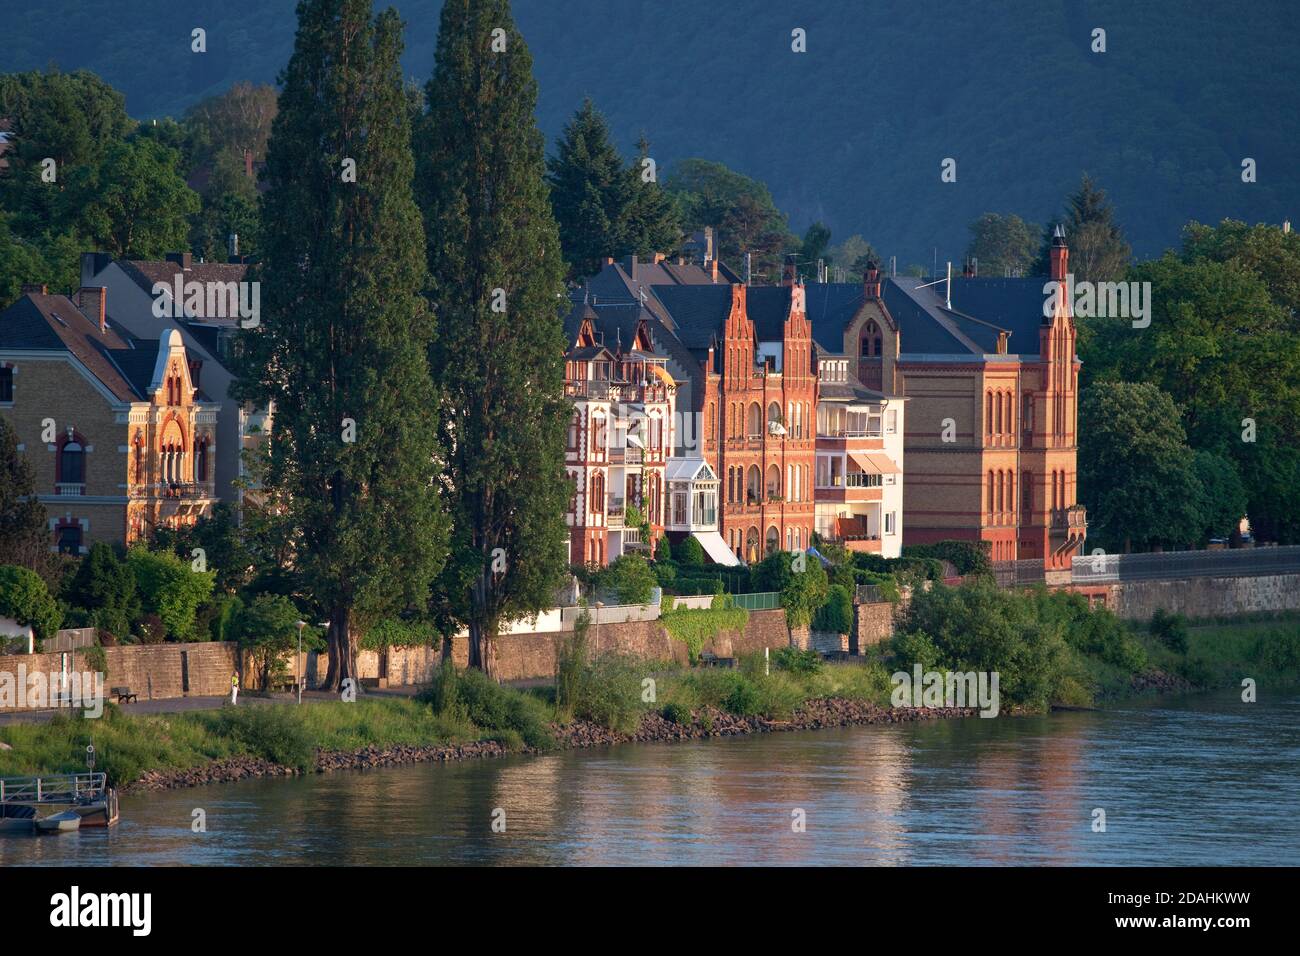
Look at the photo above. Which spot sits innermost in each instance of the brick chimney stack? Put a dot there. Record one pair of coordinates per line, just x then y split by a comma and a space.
871, 282
93, 303
787, 272
248, 163
1059, 255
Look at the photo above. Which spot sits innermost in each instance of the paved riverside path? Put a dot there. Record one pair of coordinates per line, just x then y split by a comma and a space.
178, 705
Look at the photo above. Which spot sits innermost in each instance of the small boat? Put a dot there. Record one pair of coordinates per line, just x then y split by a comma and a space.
59, 822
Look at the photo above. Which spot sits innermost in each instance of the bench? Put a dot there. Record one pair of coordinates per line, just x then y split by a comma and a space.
287, 683
123, 694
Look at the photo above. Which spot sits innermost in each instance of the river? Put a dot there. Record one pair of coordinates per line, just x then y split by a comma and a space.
1197, 779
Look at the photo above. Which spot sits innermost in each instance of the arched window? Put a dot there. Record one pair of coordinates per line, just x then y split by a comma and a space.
1001, 497
990, 492
773, 481
997, 414
755, 419
871, 340
201, 461
72, 463
598, 493
773, 539
754, 486
773, 413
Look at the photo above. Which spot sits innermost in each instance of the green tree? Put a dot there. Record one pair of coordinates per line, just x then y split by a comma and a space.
651, 223
25, 598
805, 592
1263, 249
24, 533
341, 346
267, 629
497, 277
837, 613
854, 255
1223, 496
171, 589
689, 553
1098, 250
815, 246
105, 586
590, 192
739, 208
629, 578
132, 203
21, 262
1135, 469
72, 118
1004, 245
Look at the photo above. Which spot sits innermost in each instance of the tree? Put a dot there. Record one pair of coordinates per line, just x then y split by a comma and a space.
133, 203
804, 593
1004, 245
689, 553
25, 598
267, 628
738, 207
21, 262
24, 532
236, 121
814, 248
498, 286
651, 223
590, 192
854, 255
1098, 251
171, 589
72, 118
1135, 469
105, 586
1263, 249
628, 578
341, 346
1223, 496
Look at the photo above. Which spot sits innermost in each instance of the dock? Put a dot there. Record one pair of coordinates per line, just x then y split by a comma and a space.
24, 800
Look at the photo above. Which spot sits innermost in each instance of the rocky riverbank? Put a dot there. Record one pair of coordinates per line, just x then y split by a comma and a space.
654, 727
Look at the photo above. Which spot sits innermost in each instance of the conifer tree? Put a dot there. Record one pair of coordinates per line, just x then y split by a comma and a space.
590, 192
342, 345
651, 223
498, 287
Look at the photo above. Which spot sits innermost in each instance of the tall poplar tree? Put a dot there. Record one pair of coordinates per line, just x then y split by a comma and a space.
342, 345
498, 287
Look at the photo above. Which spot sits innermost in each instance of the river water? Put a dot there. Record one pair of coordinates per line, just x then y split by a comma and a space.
1200, 779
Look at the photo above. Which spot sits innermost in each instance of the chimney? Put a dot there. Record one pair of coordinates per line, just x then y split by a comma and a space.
659, 257
713, 268
93, 303
1059, 255
33, 288
248, 163
183, 259
967, 272
629, 266
871, 282
787, 272
233, 243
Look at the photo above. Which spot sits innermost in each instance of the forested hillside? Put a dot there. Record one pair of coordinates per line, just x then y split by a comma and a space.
853, 131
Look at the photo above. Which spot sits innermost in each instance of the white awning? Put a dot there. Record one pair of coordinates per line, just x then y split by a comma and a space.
716, 548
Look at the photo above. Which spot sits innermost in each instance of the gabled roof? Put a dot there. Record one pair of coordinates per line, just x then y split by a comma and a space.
689, 469
146, 273
697, 313
121, 362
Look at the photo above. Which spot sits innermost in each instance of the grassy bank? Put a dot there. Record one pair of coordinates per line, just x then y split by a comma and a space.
459, 708
1094, 658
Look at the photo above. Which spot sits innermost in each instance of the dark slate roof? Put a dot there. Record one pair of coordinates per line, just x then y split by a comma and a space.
147, 272
698, 312
831, 306
206, 336
767, 307
1012, 304
137, 364
921, 324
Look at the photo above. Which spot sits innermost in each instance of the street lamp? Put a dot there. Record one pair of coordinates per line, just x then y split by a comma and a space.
297, 661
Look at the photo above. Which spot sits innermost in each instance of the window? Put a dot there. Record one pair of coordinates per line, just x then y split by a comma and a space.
891, 421
201, 461
1027, 491
597, 494
69, 540
72, 463
889, 522
6, 385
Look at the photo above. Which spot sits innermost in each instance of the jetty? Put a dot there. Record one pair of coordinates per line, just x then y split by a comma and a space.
25, 801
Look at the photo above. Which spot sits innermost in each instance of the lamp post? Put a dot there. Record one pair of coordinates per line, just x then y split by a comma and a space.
297, 661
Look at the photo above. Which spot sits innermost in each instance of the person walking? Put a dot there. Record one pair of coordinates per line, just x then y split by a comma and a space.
234, 688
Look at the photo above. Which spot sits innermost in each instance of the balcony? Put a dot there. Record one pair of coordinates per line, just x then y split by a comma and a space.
72, 488
1073, 518
614, 512
626, 456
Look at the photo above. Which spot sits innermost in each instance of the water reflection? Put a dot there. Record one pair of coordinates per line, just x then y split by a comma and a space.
1206, 779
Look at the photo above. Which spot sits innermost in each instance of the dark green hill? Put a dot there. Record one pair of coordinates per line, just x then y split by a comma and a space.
854, 130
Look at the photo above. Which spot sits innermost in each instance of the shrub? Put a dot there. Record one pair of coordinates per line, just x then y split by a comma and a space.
837, 613
609, 693
25, 598
966, 557
394, 632
689, 553
272, 732
170, 588
804, 593
506, 715
105, 588
675, 713
1278, 650
797, 661
1171, 629
571, 665
696, 626
629, 578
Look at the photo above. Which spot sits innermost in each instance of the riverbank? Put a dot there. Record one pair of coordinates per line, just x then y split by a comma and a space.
654, 728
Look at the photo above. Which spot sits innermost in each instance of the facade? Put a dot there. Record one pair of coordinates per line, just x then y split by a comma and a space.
119, 437
991, 387
858, 482
207, 325
619, 440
